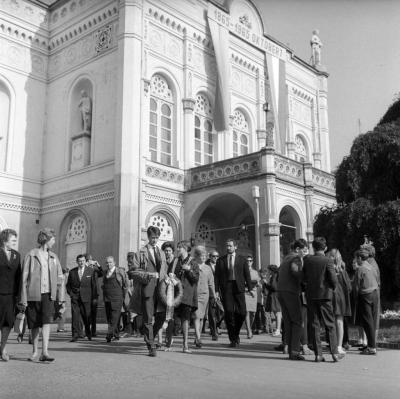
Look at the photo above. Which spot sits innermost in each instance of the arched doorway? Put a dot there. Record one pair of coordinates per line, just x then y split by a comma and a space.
290, 229
224, 216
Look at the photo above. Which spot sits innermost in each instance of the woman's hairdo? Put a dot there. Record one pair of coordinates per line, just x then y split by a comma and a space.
362, 253
199, 250
184, 244
45, 235
300, 243
168, 244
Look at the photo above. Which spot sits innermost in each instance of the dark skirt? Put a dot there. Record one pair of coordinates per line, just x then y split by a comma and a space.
272, 304
39, 313
341, 299
7, 310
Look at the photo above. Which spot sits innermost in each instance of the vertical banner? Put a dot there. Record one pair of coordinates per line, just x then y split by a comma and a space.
277, 79
222, 108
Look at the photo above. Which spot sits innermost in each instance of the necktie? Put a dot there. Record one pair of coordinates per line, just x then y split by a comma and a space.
157, 258
80, 273
230, 265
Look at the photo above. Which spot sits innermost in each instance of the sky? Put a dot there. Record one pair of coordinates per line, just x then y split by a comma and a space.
361, 51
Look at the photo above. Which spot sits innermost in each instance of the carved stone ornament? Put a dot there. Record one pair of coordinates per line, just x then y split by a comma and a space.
244, 19
270, 134
103, 39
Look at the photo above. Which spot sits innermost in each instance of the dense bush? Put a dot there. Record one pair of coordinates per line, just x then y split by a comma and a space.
368, 191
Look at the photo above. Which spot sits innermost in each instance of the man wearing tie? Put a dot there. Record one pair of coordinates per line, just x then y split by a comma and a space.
82, 288
149, 267
231, 277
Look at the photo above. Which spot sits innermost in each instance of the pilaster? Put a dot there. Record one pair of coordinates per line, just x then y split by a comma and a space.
188, 123
127, 140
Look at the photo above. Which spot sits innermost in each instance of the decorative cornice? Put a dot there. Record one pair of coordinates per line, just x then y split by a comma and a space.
244, 63
163, 200
167, 20
11, 206
295, 91
158, 172
56, 204
90, 24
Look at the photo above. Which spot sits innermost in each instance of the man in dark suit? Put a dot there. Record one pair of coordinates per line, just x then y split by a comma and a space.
320, 280
232, 275
149, 267
82, 288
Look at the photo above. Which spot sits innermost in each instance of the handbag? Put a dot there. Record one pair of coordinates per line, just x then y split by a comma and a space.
19, 323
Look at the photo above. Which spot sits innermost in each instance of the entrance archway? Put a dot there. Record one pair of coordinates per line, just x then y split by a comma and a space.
224, 216
290, 229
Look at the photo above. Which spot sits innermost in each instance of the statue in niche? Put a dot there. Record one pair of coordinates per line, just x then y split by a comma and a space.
85, 106
316, 45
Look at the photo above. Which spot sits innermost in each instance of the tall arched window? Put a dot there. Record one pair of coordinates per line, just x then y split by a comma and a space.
162, 111
300, 152
203, 134
240, 134
5, 101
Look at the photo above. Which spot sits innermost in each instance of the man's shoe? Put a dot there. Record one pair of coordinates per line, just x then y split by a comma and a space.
215, 338
153, 352
279, 348
319, 359
108, 338
296, 356
60, 330
238, 341
337, 357
368, 351
233, 344
74, 339
89, 337
46, 358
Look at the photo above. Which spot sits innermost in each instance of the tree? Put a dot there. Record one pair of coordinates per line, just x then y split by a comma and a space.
368, 191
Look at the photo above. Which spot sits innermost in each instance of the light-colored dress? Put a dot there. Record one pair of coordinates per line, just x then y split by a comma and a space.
251, 302
205, 289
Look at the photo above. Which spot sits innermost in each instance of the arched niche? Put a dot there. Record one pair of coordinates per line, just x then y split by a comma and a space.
290, 228
80, 123
5, 109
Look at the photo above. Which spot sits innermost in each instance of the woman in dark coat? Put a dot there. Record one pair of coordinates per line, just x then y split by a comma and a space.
188, 272
341, 296
273, 305
10, 278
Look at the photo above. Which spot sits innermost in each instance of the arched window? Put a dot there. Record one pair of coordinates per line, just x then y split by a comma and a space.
300, 152
5, 101
163, 223
240, 134
203, 134
75, 240
162, 111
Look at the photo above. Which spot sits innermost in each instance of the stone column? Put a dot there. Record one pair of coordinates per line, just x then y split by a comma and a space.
309, 195
128, 151
269, 220
323, 123
188, 131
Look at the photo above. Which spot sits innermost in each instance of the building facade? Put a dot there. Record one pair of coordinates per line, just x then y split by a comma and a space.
184, 114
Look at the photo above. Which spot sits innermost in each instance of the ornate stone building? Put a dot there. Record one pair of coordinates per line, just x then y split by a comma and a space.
120, 114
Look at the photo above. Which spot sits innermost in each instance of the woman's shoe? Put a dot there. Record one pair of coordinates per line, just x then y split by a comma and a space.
341, 350
46, 358
20, 338
108, 338
276, 333
5, 356
186, 350
249, 336
198, 344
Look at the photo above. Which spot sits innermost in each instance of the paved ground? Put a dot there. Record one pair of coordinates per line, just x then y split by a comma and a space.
122, 370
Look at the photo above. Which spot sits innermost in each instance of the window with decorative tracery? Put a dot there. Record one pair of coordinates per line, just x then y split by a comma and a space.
240, 134
205, 234
162, 111
77, 231
203, 134
300, 153
161, 221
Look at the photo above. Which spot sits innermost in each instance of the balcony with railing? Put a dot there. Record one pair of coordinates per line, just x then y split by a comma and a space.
257, 164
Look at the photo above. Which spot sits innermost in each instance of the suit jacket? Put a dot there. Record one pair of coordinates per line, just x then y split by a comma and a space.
319, 277
86, 288
31, 278
290, 274
241, 270
10, 273
144, 264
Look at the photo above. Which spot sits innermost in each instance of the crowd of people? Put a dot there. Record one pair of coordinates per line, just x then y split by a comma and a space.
173, 289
